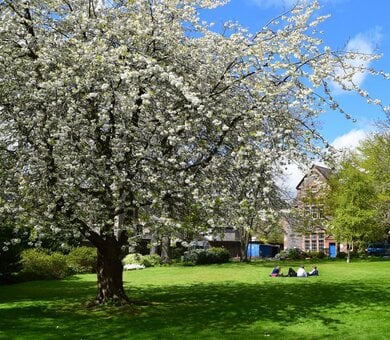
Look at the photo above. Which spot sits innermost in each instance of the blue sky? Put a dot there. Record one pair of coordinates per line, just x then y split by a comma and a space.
358, 24
362, 25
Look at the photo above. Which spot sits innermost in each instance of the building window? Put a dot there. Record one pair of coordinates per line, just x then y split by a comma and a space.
313, 242
307, 242
314, 211
321, 245
307, 245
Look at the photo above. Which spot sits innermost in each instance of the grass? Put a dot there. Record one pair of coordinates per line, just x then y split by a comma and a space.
231, 301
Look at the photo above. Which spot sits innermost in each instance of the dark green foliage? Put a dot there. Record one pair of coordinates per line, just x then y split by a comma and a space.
219, 255
282, 255
38, 265
317, 255
341, 255
82, 260
178, 252
296, 254
9, 256
352, 255
191, 257
9, 264
209, 256
10, 250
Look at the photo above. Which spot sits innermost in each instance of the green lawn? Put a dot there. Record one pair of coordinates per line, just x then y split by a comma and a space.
231, 301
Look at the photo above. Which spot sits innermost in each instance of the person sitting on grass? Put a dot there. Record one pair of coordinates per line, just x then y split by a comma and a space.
291, 272
276, 272
314, 272
301, 272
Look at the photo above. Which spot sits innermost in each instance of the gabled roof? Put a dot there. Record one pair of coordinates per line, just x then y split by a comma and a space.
324, 172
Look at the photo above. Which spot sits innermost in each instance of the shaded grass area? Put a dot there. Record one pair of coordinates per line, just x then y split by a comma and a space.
233, 301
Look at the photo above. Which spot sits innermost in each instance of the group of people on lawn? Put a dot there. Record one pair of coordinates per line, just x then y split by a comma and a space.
301, 272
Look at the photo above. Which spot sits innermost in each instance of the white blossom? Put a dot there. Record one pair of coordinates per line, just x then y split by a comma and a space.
131, 112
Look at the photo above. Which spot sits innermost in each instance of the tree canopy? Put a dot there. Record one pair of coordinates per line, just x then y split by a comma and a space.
359, 193
117, 113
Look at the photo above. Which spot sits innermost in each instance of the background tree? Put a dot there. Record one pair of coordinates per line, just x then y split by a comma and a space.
253, 204
374, 158
352, 203
115, 110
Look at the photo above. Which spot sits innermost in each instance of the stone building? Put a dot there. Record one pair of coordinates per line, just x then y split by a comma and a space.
306, 230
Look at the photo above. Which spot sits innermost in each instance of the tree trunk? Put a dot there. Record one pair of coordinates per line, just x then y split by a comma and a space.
165, 249
349, 249
244, 246
110, 274
154, 246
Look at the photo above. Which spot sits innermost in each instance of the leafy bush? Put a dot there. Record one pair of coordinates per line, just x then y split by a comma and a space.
281, 256
38, 265
341, 255
132, 259
82, 260
151, 260
146, 260
317, 255
209, 256
295, 254
353, 255
178, 252
191, 257
219, 255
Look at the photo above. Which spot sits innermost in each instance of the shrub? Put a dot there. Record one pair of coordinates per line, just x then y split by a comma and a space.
151, 260
203, 257
82, 260
132, 259
281, 256
38, 265
178, 252
146, 260
296, 254
191, 257
317, 255
209, 256
219, 255
341, 255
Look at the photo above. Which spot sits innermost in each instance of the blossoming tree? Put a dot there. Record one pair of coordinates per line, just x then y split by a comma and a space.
115, 111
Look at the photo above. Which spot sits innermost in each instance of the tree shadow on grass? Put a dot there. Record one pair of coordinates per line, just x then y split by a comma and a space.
47, 290
188, 311
238, 306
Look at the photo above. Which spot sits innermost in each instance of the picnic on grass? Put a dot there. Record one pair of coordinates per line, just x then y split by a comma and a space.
301, 272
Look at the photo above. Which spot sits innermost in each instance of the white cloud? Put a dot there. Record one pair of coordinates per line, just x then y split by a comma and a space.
291, 178
364, 43
293, 173
350, 140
